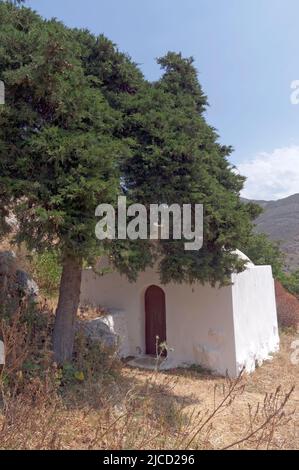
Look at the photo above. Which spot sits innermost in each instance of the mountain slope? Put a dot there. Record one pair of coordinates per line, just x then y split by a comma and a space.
280, 220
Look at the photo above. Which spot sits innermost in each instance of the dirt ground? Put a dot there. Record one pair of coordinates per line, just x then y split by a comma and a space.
114, 406
194, 390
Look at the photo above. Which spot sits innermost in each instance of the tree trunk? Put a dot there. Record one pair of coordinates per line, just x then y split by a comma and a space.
68, 302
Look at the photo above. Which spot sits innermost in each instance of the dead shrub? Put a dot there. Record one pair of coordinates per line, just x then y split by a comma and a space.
287, 307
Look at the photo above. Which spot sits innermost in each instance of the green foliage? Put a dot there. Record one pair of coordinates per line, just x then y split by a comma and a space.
81, 126
93, 359
291, 281
176, 157
262, 251
68, 375
91, 362
56, 137
47, 271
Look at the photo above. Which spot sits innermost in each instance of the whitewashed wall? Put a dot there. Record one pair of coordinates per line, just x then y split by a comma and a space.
220, 329
199, 321
255, 317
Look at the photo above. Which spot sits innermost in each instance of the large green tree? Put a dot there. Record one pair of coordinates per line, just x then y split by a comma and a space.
59, 153
80, 126
176, 158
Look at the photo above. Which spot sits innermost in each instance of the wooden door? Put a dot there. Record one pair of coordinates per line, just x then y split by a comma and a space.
155, 319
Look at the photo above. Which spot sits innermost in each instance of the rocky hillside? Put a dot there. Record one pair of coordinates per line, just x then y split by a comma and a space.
280, 220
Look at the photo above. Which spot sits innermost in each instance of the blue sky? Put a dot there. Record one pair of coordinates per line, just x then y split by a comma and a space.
246, 53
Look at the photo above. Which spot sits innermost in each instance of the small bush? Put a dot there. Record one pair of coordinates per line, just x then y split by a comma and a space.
47, 271
287, 307
290, 282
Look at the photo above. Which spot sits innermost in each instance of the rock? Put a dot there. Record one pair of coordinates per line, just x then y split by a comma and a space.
15, 284
26, 285
2, 353
116, 319
2, 92
11, 221
97, 330
110, 329
8, 263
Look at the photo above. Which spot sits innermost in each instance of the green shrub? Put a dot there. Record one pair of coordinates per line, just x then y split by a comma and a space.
290, 281
47, 271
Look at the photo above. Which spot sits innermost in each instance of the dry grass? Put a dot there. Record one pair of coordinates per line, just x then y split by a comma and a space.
99, 403
196, 391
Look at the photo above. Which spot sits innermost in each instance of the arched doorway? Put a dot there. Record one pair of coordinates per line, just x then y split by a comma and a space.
155, 319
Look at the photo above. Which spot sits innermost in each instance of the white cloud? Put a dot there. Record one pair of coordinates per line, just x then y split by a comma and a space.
272, 176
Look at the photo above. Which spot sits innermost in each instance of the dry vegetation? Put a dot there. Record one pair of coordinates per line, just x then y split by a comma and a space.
100, 403
287, 307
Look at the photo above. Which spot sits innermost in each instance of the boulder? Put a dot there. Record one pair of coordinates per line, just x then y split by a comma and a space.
110, 329
8, 263
15, 284
26, 285
97, 330
116, 319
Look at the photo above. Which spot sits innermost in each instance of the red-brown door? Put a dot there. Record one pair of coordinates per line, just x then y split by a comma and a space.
155, 319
